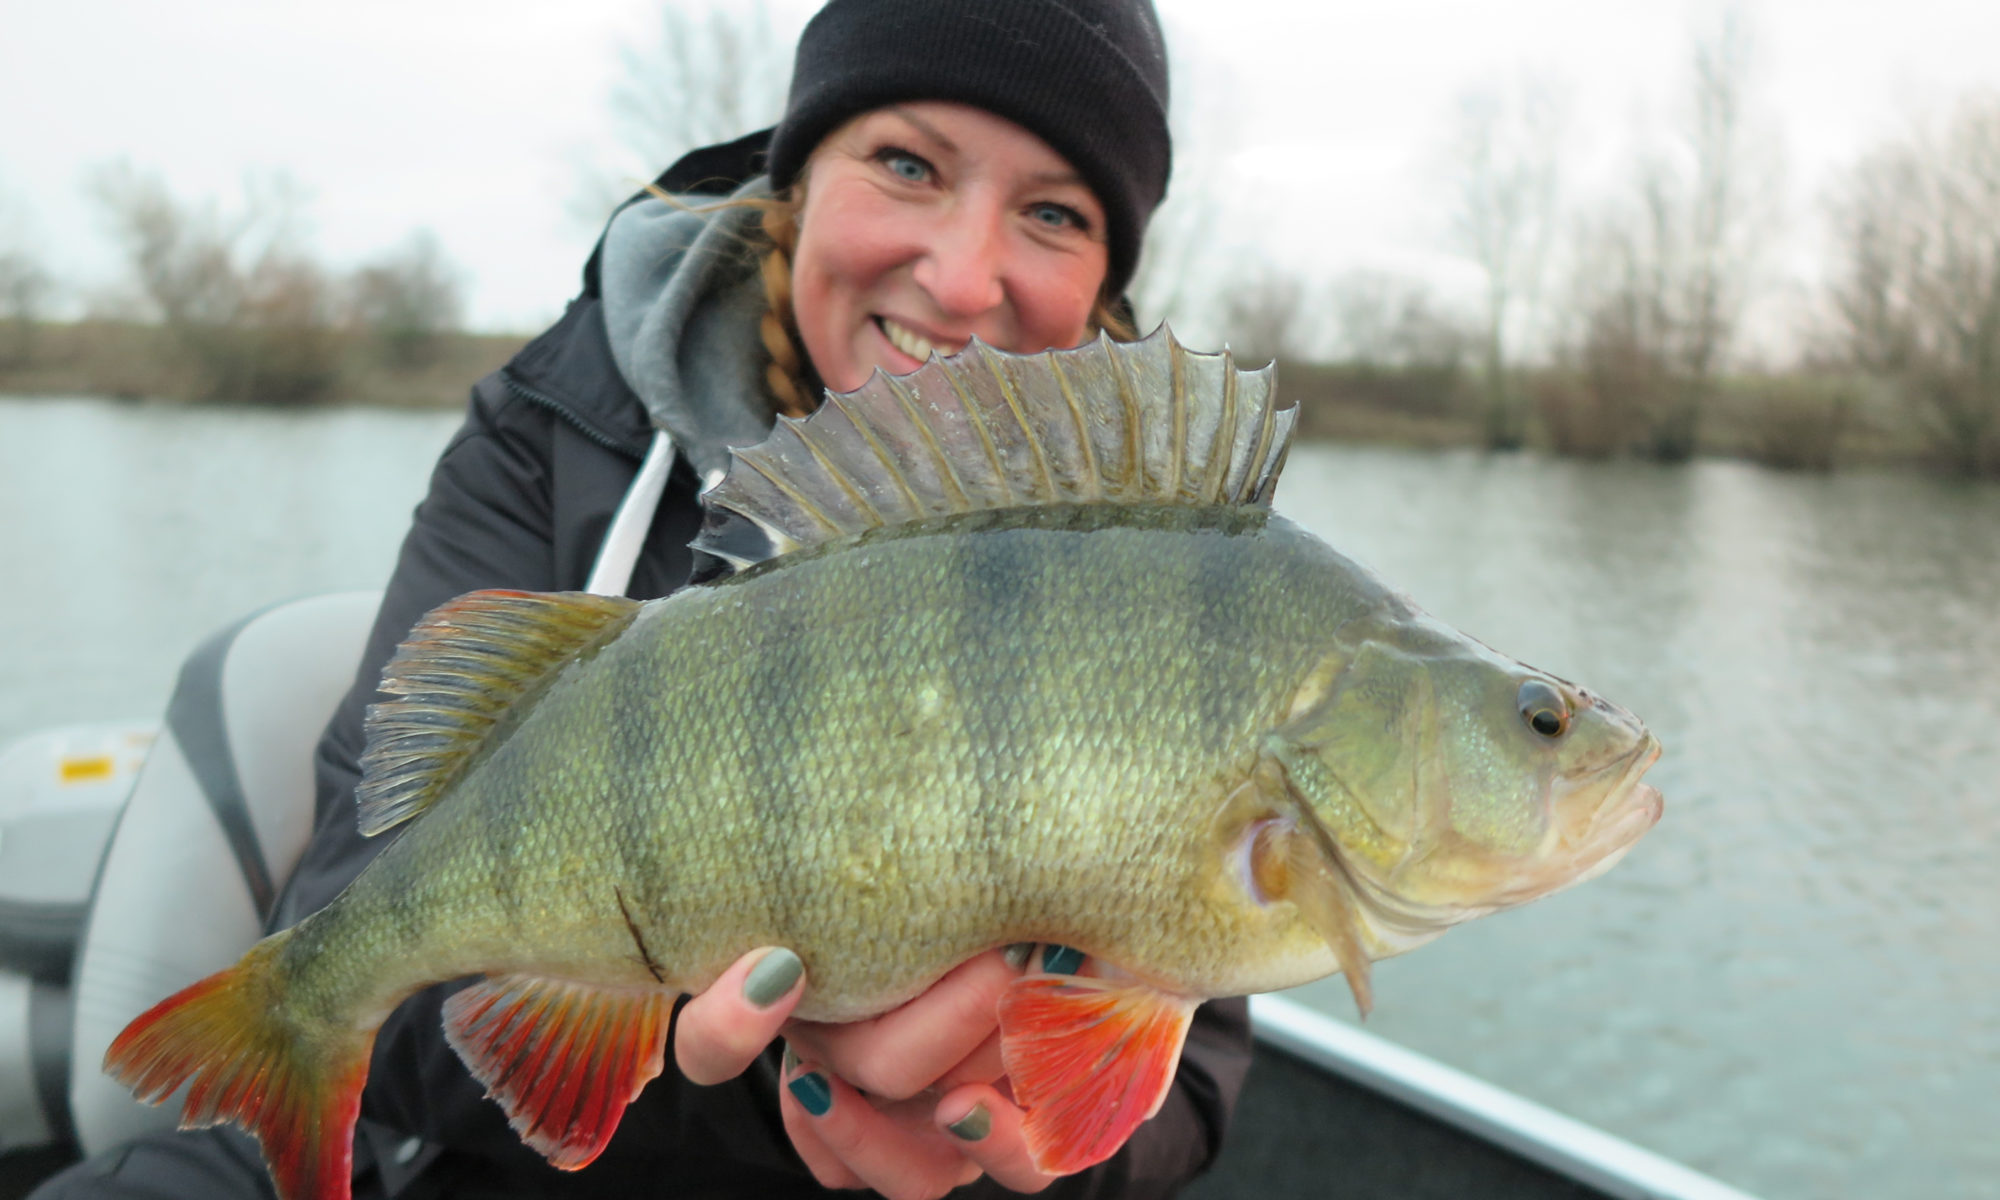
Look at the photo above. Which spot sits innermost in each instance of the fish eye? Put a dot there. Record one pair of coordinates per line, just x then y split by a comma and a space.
1543, 709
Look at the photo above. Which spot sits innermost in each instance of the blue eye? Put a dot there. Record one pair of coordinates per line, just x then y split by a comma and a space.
1058, 216
906, 166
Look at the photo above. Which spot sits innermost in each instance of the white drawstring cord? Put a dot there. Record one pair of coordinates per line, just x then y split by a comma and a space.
612, 573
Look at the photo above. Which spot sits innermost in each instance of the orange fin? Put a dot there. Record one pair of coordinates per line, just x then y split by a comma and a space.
1089, 1060
226, 1039
564, 1059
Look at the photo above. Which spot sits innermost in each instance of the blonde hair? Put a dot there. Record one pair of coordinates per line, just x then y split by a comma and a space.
786, 376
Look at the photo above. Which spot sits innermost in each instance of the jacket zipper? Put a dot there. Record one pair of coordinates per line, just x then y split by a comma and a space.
569, 416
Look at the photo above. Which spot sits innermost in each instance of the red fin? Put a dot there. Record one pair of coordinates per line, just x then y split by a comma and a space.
1089, 1060
564, 1059
226, 1038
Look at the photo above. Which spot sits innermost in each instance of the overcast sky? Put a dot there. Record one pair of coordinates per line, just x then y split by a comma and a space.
471, 118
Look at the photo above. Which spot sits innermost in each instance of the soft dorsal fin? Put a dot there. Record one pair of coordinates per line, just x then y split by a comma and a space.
1146, 422
465, 666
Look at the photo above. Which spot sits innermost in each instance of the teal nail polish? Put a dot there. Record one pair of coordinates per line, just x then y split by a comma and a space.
973, 1125
813, 1093
772, 977
1017, 954
1061, 960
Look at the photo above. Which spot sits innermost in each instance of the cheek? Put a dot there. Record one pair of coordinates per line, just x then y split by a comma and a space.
1056, 299
845, 253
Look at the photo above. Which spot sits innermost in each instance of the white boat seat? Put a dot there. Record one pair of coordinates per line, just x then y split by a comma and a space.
60, 793
218, 818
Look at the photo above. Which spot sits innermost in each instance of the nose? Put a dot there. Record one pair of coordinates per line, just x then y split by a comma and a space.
962, 266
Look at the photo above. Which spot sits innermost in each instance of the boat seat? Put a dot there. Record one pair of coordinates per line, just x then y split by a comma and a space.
60, 793
216, 821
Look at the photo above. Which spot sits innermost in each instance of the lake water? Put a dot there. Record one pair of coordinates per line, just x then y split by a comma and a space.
1793, 983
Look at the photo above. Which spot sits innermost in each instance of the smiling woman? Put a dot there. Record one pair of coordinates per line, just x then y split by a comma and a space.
928, 224
943, 171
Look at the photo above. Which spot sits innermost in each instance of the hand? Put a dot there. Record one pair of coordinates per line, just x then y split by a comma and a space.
928, 1115
905, 1149
927, 1067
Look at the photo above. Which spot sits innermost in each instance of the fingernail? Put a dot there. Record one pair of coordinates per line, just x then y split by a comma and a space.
791, 1060
1017, 954
973, 1125
772, 977
1061, 960
813, 1092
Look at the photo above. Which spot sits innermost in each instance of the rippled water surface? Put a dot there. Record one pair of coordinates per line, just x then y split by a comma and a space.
1793, 983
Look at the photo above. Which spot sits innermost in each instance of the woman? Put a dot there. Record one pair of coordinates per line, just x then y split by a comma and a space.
942, 171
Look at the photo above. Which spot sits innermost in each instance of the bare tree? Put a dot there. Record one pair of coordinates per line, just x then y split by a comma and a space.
1918, 292
714, 71
1188, 264
1264, 316
408, 300
1679, 255
24, 289
1392, 321
24, 286
236, 293
1504, 155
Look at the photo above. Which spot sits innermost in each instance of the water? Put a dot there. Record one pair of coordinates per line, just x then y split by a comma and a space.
129, 532
1790, 984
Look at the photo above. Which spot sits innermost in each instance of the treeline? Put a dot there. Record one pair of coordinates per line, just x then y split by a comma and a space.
1620, 323
231, 307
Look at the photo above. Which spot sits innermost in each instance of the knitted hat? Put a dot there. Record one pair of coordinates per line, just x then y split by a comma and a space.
1089, 77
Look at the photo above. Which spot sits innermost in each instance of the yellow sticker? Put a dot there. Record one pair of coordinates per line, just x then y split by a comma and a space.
93, 768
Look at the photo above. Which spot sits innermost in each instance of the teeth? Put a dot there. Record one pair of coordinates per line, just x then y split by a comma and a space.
913, 344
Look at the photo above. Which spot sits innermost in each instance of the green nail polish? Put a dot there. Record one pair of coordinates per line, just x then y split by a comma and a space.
813, 1093
1017, 954
791, 1060
973, 1125
1061, 960
772, 977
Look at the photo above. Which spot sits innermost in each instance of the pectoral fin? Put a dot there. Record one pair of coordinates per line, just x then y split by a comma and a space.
1288, 863
1089, 1059
564, 1059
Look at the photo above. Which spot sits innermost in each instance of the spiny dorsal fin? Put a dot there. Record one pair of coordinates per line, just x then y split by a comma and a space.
1146, 422
463, 667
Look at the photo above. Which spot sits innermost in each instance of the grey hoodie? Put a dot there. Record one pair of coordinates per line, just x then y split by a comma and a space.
682, 303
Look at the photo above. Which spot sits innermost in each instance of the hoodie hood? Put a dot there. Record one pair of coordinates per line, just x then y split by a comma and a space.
682, 304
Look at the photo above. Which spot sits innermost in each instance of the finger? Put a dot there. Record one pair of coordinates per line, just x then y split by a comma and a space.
904, 1051
721, 1030
987, 1127
983, 1065
824, 1164
848, 1142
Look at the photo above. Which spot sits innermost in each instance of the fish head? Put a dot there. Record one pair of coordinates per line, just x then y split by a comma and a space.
1441, 780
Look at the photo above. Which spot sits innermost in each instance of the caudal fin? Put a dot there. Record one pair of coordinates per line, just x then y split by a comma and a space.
225, 1037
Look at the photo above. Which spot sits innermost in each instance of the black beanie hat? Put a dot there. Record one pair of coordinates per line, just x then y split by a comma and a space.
1089, 77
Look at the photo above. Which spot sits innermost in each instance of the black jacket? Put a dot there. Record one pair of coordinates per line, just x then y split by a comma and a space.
521, 498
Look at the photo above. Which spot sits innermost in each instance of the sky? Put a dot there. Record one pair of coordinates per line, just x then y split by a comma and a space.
1322, 123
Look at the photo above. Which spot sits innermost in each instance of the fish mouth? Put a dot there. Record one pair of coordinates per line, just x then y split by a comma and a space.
1591, 835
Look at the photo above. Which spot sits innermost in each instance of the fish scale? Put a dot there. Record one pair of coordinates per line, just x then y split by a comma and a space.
1116, 704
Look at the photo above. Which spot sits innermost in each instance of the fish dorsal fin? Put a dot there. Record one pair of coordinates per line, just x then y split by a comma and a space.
465, 666
1146, 422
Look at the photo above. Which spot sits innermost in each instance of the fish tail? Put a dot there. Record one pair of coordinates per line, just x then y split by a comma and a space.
228, 1039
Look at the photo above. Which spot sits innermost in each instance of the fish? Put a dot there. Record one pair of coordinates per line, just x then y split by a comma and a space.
1010, 649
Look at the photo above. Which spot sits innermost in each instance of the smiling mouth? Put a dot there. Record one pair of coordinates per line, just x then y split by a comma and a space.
912, 343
